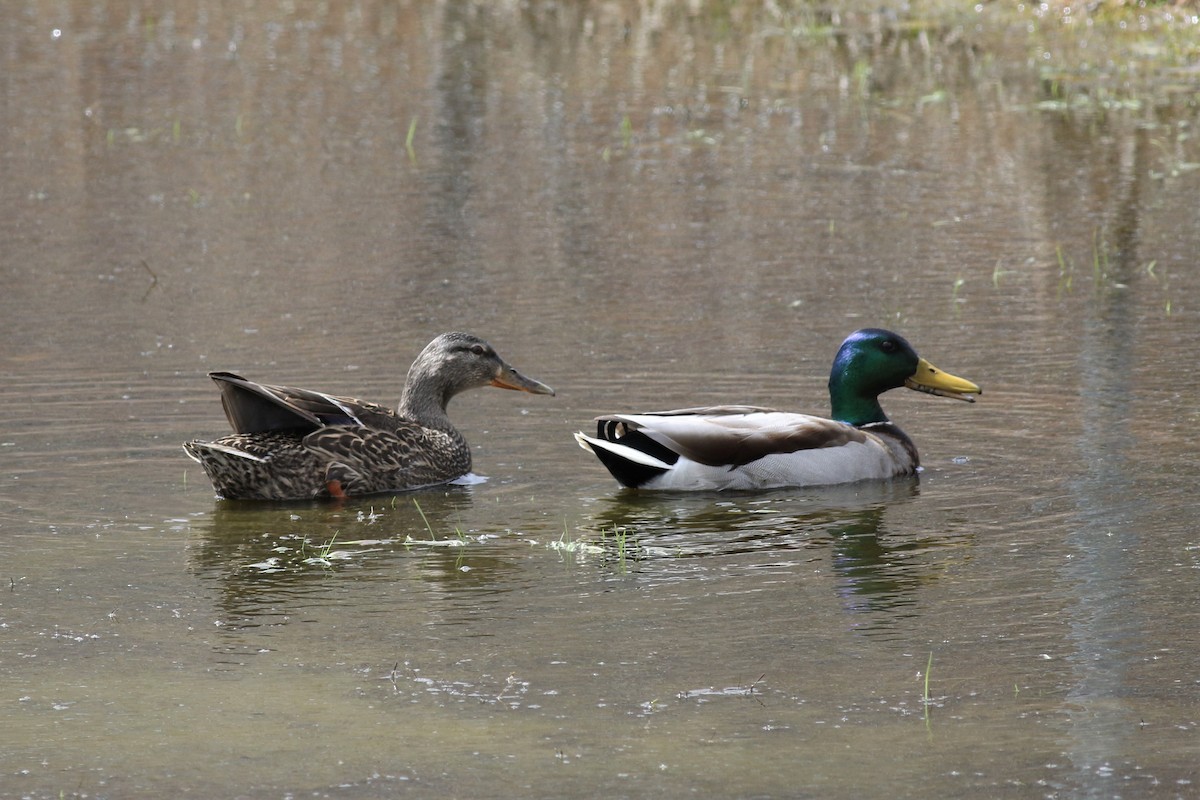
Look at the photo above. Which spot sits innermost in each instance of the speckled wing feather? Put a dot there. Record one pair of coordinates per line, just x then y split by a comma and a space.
260, 466
367, 460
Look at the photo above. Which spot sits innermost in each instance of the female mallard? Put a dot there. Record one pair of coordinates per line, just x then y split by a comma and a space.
744, 447
293, 444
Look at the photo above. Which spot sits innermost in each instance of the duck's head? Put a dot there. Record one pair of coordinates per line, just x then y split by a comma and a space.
455, 362
870, 362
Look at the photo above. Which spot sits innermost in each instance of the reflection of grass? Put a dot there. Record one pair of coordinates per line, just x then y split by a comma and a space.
1099, 258
958, 284
1154, 277
999, 272
1141, 43
1066, 271
625, 131
1101, 266
1106, 275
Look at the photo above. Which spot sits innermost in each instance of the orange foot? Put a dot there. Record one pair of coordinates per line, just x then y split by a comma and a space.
335, 490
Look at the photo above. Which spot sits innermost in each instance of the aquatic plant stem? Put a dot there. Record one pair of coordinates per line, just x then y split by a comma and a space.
408, 141
925, 693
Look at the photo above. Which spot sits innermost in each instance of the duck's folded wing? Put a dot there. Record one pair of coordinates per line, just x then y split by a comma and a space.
729, 435
259, 407
404, 455
368, 448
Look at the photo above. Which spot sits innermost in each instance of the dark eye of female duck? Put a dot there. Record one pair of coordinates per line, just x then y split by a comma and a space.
476, 349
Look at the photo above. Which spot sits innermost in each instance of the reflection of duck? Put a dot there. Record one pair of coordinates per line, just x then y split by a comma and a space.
270, 562
298, 444
854, 537
745, 447
687, 525
879, 569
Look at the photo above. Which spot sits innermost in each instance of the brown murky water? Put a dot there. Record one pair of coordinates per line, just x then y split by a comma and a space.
645, 209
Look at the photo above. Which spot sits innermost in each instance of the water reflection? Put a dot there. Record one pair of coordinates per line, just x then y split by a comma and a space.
878, 566
695, 524
1107, 626
270, 562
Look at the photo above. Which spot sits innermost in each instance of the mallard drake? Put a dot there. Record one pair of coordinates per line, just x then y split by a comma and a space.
747, 447
292, 444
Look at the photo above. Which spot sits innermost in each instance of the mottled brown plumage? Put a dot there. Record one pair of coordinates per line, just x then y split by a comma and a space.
294, 443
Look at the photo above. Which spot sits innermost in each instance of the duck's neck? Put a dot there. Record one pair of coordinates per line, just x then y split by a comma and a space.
424, 401
854, 408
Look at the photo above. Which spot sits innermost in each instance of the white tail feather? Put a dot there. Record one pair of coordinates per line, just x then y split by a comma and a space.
232, 451
589, 443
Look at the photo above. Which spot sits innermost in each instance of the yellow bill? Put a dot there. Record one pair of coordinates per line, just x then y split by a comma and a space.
931, 380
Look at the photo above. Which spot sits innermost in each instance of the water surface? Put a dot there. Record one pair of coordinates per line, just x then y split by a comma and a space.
644, 208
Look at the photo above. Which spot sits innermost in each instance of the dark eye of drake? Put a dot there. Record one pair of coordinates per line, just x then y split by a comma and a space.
887, 346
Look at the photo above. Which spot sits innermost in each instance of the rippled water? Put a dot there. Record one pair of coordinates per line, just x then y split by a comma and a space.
644, 208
